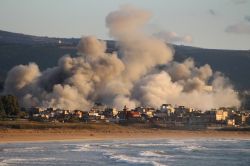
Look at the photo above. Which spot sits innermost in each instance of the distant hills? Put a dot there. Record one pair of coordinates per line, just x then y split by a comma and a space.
18, 38
18, 48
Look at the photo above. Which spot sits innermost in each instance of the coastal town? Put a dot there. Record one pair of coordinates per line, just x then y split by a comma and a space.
165, 116
169, 116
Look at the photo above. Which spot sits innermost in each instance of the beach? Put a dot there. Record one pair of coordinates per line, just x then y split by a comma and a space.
34, 135
112, 144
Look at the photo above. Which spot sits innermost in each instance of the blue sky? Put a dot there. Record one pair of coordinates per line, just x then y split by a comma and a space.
210, 23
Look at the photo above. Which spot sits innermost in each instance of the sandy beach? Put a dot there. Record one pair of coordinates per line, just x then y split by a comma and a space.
23, 135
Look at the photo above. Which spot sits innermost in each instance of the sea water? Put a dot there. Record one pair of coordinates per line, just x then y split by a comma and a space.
162, 152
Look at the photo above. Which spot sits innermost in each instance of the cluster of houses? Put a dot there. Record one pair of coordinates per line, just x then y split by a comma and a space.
166, 115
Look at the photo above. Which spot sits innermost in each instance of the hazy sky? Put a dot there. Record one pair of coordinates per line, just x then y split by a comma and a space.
206, 23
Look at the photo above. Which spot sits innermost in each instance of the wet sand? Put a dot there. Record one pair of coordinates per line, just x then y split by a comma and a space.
31, 135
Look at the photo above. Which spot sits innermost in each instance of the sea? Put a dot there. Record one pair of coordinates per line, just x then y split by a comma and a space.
157, 152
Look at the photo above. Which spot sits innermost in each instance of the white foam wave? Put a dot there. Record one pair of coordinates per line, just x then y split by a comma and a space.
145, 145
191, 148
12, 161
176, 142
132, 160
28, 149
137, 160
105, 146
82, 148
154, 154
230, 140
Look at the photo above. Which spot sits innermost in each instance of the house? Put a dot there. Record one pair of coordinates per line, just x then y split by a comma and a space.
181, 111
127, 114
110, 112
133, 114
221, 115
34, 110
44, 116
159, 115
240, 119
49, 110
197, 120
231, 122
78, 114
168, 108
99, 107
211, 116
149, 111
92, 113
123, 113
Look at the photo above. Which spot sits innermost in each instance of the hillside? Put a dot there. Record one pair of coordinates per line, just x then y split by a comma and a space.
21, 49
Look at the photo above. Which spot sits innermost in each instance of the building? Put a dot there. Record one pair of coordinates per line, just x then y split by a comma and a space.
221, 115
168, 108
211, 116
231, 122
240, 119
110, 112
133, 115
99, 107
161, 115
149, 111
181, 111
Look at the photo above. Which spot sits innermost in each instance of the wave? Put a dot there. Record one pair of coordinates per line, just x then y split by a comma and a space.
155, 153
82, 148
133, 160
178, 142
106, 146
192, 148
144, 145
21, 149
231, 140
12, 161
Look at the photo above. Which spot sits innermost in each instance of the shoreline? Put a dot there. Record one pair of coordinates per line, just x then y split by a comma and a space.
52, 135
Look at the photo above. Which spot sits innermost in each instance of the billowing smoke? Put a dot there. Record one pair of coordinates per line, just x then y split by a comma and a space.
133, 78
185, 84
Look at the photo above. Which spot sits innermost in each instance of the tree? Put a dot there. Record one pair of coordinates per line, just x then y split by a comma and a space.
2, 111
10, 105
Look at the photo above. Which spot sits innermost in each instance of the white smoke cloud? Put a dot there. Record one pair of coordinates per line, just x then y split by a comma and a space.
185, 84
128, 20
91, 47
173, 37
156, 89
141, 53
21, 76
133, 79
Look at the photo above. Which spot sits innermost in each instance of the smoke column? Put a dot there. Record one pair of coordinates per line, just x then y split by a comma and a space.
133, 79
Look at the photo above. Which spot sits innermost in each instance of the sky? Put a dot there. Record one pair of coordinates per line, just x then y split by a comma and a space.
220, 24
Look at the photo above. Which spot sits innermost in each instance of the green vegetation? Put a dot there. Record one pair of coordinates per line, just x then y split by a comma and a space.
26, 124
9, 107
2, 111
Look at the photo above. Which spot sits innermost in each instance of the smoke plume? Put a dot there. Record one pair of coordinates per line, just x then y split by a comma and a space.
133, 78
